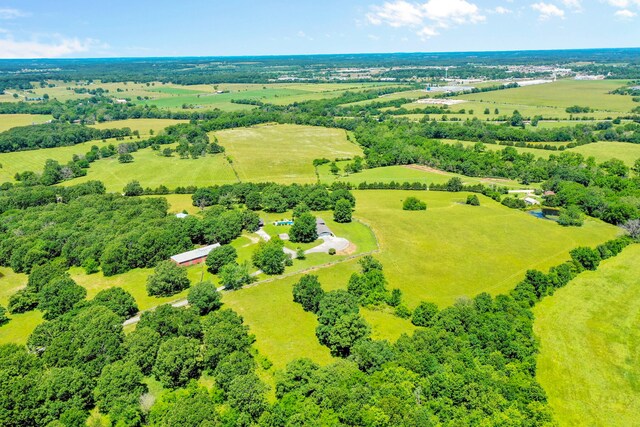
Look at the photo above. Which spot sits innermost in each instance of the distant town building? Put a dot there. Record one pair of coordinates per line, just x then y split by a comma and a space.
195, 256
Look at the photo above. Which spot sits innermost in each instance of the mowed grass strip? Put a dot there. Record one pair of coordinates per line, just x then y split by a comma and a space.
589, 362
283, 153
453, 250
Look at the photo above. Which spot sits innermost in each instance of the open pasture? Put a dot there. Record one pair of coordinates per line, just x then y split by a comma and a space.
409, 173
283, 153
453, 250
563, 94
153, 170
8, 121
589, 362
34, 160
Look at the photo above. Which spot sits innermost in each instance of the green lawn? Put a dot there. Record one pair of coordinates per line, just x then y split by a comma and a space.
452, 250
283, 153
141, 125
589, 362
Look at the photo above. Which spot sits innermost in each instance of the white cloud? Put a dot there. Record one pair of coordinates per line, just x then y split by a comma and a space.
9, 13
547, 10
426, 17
572, 4
625, 14
56, 47
502, 10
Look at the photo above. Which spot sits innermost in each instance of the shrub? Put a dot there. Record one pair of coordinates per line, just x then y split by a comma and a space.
587, 258
332, 251
571, 217
414, 204
473, 200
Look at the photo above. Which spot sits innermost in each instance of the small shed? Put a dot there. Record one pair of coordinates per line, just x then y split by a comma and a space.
322, 229
195, 256
531, 201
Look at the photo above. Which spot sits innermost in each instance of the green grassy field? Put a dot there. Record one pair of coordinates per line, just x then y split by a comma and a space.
410, 174
589, 362
8, 121
601, 151
34, 160
21, 325
452, 250
563, 93
283, 153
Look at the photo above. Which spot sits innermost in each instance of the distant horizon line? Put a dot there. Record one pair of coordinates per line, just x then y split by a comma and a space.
325, 54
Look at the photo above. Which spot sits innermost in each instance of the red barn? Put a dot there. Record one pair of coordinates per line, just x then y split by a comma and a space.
195, 256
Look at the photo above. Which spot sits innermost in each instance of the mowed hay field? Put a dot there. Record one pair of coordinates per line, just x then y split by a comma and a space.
563, 93
153, 170
589, 362
283, 153
8, 121
453, 250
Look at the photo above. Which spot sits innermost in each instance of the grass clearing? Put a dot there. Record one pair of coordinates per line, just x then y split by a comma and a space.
563, 94
8, 121
453, 250
144, 126
283, 153
589, 362
410, 173
153, 170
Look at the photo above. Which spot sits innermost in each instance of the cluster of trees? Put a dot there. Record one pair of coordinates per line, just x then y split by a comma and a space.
271, 197
413, 204
53, 135
110, 231
80, 359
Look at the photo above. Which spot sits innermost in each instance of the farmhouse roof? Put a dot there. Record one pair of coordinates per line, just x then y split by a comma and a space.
181, 215
531, 201
321, 227
194, 254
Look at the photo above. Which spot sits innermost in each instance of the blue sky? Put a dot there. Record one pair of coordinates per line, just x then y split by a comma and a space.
30, 28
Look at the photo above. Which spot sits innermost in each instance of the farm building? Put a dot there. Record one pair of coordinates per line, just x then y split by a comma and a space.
531, 201
322, 229
195, 256
181, 215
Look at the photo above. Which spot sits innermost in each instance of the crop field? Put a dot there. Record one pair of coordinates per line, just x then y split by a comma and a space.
601, 151
589, 362
453, 250
8, 121
563, 93
283, 153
